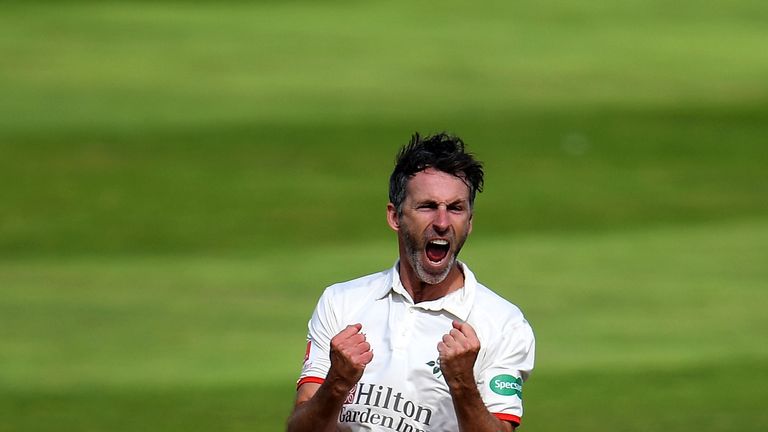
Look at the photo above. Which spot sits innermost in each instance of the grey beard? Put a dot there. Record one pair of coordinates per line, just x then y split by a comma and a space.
425, 276
421, 272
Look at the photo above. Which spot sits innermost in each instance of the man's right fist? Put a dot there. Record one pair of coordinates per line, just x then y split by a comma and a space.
350, 353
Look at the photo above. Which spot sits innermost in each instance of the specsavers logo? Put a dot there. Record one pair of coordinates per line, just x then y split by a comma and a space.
507, 385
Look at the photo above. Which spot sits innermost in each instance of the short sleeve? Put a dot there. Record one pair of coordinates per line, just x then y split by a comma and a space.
509, 363
321, 328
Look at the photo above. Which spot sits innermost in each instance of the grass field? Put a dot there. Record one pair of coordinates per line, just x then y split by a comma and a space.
179, 181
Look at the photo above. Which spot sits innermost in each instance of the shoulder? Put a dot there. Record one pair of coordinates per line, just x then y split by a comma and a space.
359, 290
488, 307
496, 318
495, 307
342, 302
505, 334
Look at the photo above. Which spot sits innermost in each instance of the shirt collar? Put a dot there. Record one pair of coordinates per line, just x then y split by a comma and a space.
458, 303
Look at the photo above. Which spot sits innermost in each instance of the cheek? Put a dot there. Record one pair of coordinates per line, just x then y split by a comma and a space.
463, 224
415, 222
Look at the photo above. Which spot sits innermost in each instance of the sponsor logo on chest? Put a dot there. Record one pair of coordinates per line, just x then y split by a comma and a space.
383, 406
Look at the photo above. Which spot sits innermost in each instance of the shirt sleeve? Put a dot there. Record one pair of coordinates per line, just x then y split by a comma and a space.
510, 363
321, 328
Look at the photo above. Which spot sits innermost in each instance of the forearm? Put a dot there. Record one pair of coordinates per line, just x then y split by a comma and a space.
320, 413
471, 412
458, 352
318, 407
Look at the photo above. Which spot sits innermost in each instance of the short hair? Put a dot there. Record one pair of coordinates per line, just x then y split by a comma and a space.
442, 152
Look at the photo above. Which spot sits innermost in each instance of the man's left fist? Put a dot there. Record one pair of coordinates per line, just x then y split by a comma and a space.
458, 351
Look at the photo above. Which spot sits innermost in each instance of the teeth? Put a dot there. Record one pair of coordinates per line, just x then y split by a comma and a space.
440, 242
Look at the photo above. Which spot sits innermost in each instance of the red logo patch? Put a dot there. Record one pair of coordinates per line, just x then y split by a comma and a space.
306, 354
351, 396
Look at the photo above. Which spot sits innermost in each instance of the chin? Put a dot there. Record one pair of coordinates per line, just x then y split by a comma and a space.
433, 278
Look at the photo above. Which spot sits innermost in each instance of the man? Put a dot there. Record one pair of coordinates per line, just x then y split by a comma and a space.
422, 346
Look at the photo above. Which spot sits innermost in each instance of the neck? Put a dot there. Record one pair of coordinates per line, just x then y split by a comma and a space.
421, 291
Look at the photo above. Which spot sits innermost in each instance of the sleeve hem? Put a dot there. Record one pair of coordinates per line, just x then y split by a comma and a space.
508, 417
309, 379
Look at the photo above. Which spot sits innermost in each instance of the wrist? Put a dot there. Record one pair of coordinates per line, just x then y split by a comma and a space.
462, 386
337, 385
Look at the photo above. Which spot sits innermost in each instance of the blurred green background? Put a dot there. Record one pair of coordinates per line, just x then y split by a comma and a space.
180, 180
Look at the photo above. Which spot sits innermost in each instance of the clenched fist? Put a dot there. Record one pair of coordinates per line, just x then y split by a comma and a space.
458, 351
350, 353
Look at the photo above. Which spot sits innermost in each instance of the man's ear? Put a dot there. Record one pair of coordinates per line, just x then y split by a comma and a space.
393, 220
469, 229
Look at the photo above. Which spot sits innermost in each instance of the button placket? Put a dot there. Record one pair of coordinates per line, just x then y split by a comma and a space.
405, 325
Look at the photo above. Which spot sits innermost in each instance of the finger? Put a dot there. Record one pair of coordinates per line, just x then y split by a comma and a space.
441, 347
354, 346
366, 358
362, 355
457, 335
448, 339
466, 329
347, 333
363, 347
355, 339
351, 330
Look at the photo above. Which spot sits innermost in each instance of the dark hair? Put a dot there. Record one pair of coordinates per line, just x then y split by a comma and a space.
442, 152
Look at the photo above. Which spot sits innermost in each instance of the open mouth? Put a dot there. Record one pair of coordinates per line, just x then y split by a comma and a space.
437, 250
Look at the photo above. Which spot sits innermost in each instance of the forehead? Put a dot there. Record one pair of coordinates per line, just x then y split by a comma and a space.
436, 185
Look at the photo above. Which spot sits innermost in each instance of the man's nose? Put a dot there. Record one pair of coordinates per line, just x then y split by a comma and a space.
441, 222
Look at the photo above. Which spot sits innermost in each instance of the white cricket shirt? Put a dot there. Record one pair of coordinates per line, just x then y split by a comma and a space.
403, 389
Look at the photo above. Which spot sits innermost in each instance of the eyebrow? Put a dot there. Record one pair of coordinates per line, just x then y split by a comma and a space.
447, 203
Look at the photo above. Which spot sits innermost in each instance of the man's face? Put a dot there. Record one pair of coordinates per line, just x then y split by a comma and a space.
435, 221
